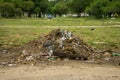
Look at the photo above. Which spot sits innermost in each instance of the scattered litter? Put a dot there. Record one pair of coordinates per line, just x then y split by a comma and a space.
51, 59
116, 54
99, 42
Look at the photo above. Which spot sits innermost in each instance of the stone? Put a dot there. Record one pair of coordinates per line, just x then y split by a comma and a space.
25, 53
29, 58
107, 56
11, 65
4, 51
50, 53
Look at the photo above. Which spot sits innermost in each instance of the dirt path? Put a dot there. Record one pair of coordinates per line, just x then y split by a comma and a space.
68, 70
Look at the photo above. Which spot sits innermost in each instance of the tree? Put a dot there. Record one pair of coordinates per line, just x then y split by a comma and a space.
60, 8
116, 7
41, 7
97, 8
36, 10
78, 6
27, 7
7, 9
18, 12
112, 8
1, 1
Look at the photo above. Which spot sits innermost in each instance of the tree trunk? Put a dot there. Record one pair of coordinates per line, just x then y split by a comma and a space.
43, 14
55, 15
78, 15
36, 15
60, 15
29, 14
109, 14
39, 15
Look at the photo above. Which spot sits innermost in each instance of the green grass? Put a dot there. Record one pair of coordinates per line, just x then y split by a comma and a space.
59, 22
110, 36
20, 31
18, 35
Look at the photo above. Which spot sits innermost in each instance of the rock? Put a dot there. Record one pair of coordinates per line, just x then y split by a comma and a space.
32, 64
11, 65
47, 43
25, 53
107, 56
4, 51
29, 58
98, 56
92, 29
4, 63
66, 59
115, 60
99, 42
50, 53
1, 66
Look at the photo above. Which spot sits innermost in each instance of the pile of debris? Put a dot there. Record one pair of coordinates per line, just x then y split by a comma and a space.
62, 43
57, 44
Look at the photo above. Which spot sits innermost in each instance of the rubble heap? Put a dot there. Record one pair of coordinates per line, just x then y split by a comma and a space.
57, 44
62, 43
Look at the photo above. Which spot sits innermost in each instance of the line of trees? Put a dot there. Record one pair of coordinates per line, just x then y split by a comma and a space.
96, 8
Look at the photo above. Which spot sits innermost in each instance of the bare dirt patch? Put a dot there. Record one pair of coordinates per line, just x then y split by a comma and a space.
62, 70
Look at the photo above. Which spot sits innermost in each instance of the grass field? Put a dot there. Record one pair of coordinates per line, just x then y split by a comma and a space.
59, 22
20, 31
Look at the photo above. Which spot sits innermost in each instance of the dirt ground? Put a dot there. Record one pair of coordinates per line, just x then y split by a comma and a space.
62, 70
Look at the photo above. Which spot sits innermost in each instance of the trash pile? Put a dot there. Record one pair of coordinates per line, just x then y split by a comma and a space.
62, 44
57, 44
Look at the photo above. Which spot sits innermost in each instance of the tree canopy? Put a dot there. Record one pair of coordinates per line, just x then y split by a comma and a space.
96, 8
60, 8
